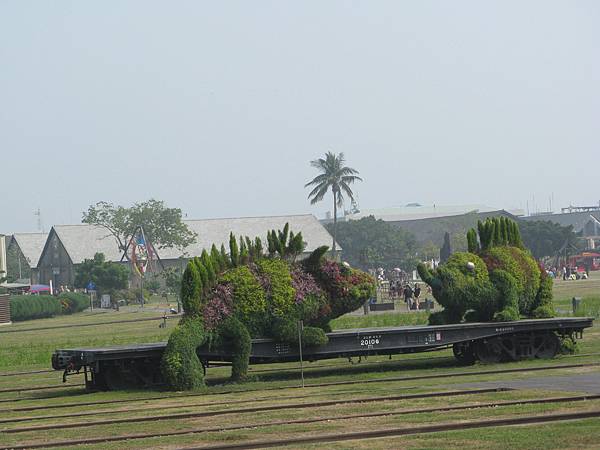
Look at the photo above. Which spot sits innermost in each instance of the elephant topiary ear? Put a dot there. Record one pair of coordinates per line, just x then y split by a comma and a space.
313, 262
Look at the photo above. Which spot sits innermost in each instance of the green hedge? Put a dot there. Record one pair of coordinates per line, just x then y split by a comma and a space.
27, 307
73, 302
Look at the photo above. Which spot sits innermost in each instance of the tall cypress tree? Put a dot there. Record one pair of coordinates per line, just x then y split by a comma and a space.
234, 252
191, 290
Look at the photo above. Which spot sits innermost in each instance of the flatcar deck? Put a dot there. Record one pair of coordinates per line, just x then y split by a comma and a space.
490, 341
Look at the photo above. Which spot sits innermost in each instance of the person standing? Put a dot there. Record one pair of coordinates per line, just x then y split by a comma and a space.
408, 294
416, 294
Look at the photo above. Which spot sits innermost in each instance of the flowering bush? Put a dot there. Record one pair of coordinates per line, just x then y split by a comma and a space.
264, 297
219, 306
304, 284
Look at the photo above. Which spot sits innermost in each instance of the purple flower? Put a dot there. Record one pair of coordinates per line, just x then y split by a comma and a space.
219, 306
304, 284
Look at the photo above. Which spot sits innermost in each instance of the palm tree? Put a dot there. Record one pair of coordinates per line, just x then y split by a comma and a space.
335, 176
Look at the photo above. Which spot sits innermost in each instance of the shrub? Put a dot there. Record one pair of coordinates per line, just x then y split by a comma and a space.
180, 365
28, 307
73, 302
250, 299
282, 294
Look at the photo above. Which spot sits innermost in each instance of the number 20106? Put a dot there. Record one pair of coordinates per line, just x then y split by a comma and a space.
369, 341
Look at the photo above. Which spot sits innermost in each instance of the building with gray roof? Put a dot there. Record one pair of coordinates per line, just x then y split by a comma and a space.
23, 254
69, 245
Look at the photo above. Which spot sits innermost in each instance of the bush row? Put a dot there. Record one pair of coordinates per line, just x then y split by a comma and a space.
28, 307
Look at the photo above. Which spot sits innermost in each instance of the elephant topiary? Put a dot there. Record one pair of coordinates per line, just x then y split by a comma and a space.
231, 298
496, 280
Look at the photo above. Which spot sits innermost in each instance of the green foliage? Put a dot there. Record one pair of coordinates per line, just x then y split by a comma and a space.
28, 307
224, 258
163, 226
180, 365
281, 293
446, 249
73, 302
545, 238
313, 262
262, 297
568, 345
370, 243
472, 242
336, 177
285, 243
152, 283
208, 265
516, 285
234, 251
522, 267
172, 277
234, 333
108, 276
191, 290
250, 299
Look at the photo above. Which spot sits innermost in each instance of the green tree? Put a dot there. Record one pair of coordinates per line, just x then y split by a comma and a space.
336, 177
545, 238
107, 276
163, 226
369, 243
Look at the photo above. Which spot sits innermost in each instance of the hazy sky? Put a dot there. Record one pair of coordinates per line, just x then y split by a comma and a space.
218, 107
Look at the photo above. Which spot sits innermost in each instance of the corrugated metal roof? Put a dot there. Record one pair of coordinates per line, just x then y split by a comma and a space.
400, 213
217, 231
84, 241
576, 219
31, 245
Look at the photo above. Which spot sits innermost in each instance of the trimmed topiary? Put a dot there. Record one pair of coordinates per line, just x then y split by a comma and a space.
497, 280
258, 296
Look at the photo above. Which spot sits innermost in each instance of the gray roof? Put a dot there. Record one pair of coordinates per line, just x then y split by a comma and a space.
419, 212
576, 219
84, 241
31, 245
217, 231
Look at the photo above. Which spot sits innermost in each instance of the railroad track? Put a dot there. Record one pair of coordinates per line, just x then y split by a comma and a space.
360, 435
40, 388
252, 410
162, 407
315, 385
394, 432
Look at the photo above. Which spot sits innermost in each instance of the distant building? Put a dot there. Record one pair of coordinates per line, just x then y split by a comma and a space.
23, 254
67, 246
587, 223
430, 223
416, 211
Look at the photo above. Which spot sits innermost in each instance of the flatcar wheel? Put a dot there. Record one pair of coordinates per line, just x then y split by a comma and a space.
463, 352
546, 346
489, 351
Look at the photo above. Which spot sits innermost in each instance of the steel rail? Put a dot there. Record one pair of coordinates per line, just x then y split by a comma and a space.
180, 405
497, 404
222, 412
394, 432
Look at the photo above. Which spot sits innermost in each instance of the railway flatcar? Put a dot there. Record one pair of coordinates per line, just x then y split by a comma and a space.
138, 365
